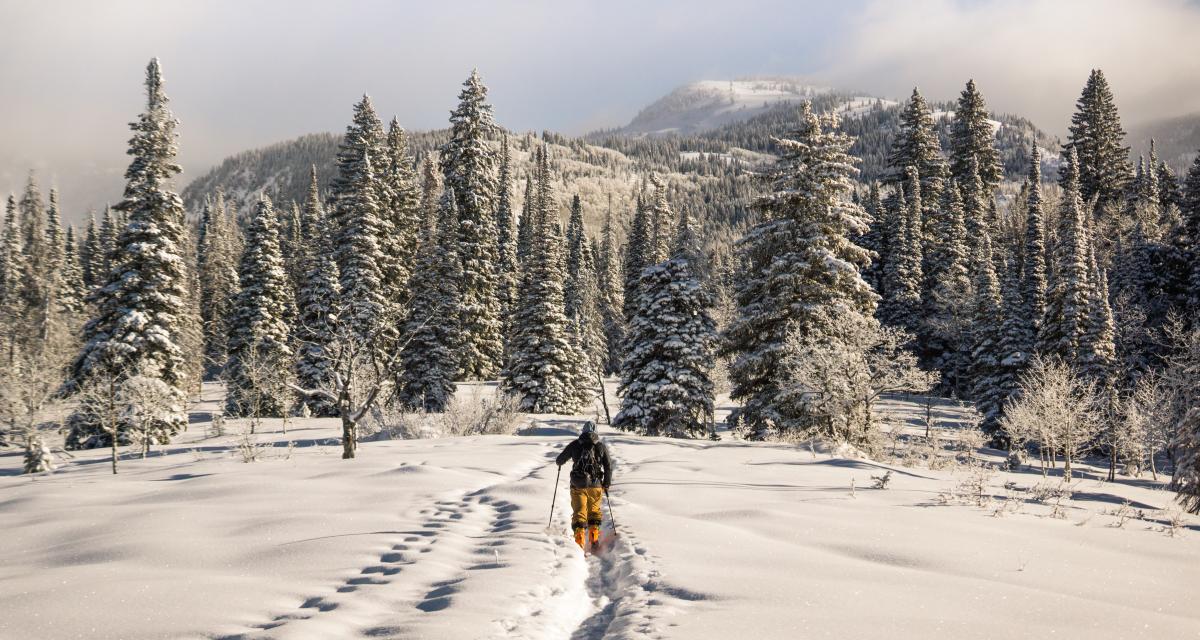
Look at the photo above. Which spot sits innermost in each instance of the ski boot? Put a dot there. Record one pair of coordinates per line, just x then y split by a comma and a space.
579, 538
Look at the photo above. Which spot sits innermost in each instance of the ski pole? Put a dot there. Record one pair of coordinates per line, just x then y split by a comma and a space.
555, 497
610, 511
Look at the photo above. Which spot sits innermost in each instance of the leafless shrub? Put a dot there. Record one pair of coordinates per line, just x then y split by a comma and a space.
881, 482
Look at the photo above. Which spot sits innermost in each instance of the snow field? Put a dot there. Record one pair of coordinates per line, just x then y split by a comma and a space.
448, 538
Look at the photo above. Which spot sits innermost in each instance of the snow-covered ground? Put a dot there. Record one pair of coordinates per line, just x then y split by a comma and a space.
448, 538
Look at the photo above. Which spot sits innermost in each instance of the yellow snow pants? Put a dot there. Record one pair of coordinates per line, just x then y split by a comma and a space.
585, 507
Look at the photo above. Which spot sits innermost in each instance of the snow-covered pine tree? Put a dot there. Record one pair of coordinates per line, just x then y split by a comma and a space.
581, 299
873, 239
1096, 136
948, 301
506, 237
1169, 194
797, 265
917, 145
1068, 293
1186, 445
542, 368
666, 389
611, 294
1033, 267
976, 204
662, 224
139, 312
431, 194
1097, 348
525, 225
87, 246
217, 257
469, 166
102, 260
1190, 235
986, 388
1012, 339
637, 246
355, 212
401, 215
316, 304
902, 271
54, 241
11, 259
972, 136
259, 333
428, 362
70, 298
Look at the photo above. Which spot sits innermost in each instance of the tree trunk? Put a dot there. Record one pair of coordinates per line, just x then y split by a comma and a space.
603, 397
1112, 465
349, 439
1153, 467
114, 452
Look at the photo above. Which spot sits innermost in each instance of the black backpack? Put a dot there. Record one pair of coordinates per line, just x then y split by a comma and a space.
589, 468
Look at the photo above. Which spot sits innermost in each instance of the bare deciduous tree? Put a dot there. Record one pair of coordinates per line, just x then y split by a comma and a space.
837, 382
1056, 410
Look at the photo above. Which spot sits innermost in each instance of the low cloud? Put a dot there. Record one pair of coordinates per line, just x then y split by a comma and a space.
1030, 57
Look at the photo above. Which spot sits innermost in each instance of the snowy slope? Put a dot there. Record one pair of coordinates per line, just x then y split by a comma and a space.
710, 104
448, 539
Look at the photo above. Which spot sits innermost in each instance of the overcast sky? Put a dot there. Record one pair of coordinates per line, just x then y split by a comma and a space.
246, 73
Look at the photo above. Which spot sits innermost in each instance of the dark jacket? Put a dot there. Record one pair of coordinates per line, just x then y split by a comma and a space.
577, 447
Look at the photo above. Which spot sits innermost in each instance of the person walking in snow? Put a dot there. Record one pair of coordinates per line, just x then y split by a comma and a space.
591, 476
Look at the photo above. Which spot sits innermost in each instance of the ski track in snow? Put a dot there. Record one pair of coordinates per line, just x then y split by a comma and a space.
425, 574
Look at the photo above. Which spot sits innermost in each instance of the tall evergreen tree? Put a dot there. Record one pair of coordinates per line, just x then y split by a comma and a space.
469, 165
637, 246
1190, 230
662, 224
1033, 268
218, 254
873, 239
796, 264
949, 293
972, 136
542, 370
140, 311
917, 145
401, 218
429, 364
1096, 136
355, 212
611, 294
506, 236
87, 253
1097, 349
986, 356
666, 388
1068, 296
73, 289
316, 304
102, 260
11, 258
902, 271
581, 298
525, 224
259, 333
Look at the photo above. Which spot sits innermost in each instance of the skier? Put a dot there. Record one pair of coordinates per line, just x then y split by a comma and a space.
591, 476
